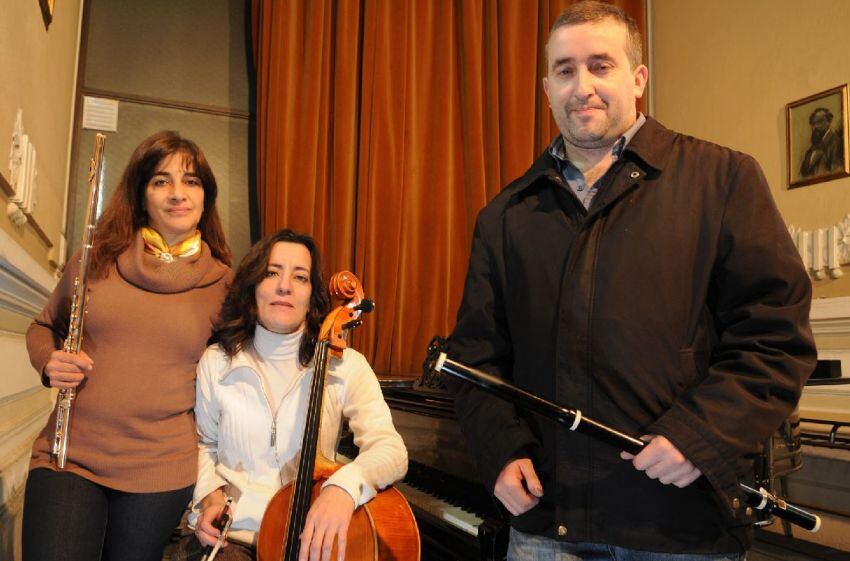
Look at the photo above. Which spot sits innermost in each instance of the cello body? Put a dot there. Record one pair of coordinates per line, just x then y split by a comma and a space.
382, 530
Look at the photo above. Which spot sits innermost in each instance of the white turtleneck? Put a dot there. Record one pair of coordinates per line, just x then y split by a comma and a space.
279, 351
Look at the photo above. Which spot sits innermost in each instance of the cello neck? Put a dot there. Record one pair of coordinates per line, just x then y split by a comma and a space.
346, 288
303, 485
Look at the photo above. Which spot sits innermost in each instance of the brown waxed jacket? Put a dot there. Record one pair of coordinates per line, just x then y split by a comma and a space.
677, 305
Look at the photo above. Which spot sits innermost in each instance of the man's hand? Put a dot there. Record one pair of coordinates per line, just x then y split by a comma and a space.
518, 487
327, 520
663, 461
67, 370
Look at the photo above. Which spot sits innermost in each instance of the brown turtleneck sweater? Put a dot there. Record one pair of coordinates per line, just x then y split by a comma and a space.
132, 424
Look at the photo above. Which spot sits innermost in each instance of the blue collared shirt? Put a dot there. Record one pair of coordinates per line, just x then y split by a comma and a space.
575, 178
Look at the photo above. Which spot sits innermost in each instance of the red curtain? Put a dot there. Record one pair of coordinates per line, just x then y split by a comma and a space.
383, 128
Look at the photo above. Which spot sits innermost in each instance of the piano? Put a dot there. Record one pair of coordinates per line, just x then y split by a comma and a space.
459, 520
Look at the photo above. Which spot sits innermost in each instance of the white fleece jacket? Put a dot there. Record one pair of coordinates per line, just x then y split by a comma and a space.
237, 406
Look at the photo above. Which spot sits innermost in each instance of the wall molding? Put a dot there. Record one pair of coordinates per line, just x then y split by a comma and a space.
168, 103
25, 405
24, 285
22, 417
831, 316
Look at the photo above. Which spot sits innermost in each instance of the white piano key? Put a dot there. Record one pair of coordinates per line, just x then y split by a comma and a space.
457, 517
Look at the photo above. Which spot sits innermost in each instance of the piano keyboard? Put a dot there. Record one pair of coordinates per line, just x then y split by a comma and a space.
459, 520
440, 509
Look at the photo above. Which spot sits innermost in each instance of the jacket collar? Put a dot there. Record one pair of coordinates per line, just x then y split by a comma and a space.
652, 144
649, 148
249, 358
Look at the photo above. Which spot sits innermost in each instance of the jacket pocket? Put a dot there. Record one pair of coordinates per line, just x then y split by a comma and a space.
693, 366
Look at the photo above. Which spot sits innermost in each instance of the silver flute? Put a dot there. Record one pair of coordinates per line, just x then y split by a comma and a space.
65, 400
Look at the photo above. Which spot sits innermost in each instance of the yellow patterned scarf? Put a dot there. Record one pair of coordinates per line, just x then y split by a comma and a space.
155, 245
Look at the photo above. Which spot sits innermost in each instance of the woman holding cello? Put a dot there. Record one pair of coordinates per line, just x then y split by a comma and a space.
254, 397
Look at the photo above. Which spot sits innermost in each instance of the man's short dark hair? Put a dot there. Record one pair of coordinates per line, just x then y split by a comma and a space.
827, 113
591, 11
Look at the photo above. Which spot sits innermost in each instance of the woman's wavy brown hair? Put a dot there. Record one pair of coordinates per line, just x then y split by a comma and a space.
126, 213
239, 317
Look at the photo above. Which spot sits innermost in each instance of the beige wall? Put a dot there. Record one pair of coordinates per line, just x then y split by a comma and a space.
198, 54
38, 69
723, 70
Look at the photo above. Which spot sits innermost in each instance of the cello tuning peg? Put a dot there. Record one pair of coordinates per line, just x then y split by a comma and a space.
352, 324
366, 305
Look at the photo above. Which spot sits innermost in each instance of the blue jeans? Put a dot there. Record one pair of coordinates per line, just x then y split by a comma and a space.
69, 518
528, 547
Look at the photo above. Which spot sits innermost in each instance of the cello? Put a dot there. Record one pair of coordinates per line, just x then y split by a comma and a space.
383, 529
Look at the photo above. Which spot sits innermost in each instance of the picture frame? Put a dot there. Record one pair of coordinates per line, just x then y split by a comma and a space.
47, 11
818, 145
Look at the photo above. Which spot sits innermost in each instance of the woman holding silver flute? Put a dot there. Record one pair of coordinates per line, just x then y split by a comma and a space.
157, 275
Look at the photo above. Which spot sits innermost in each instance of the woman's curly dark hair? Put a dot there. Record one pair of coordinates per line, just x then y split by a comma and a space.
237, 324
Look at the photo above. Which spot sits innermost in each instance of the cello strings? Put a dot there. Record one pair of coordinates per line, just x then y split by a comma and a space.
304, 481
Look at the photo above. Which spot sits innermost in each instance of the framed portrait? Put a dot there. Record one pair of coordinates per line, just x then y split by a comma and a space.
46, 11
817, 138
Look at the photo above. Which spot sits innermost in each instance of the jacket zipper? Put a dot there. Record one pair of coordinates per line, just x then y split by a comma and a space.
273, 412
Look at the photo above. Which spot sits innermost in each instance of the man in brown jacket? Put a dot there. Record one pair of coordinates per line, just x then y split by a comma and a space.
647, 279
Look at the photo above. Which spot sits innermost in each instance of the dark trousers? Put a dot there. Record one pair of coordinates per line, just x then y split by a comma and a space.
69, 518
